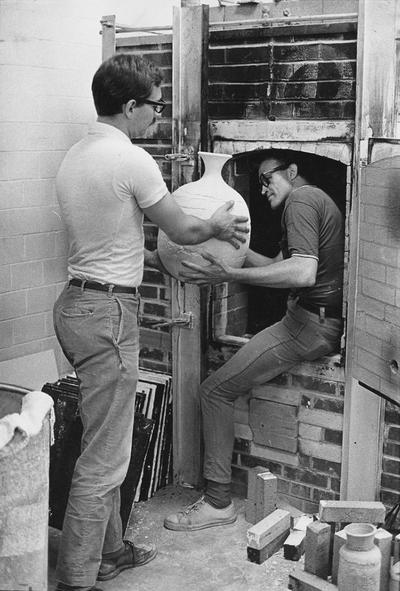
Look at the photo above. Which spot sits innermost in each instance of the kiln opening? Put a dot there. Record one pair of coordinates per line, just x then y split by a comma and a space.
242, 310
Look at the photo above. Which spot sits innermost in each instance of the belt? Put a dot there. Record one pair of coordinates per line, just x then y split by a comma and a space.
322, 311
109, 287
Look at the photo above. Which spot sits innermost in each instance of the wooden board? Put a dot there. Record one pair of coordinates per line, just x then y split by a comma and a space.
258, 130
190, 32
299, 580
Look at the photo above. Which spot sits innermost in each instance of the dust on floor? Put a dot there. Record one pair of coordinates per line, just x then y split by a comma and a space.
213, 559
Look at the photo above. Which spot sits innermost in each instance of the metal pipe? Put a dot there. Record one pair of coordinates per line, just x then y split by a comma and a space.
345, 16
13, 389
127, 29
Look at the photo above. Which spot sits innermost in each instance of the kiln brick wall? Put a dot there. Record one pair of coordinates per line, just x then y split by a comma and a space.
284, 77
390, 477
308, 467
328, 71
155, 291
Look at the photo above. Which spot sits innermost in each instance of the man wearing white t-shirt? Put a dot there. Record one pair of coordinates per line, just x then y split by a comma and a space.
105, 185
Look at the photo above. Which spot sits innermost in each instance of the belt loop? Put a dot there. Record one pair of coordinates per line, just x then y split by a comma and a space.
322, 314
110, 290
83, 285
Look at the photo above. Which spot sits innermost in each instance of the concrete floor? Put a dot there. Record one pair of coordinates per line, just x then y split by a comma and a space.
208, 560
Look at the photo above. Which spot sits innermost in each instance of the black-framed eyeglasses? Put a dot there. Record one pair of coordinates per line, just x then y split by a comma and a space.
158, 106
265, 177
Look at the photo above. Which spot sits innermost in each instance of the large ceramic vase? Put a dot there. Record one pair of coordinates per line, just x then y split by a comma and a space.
359, 559
201, 198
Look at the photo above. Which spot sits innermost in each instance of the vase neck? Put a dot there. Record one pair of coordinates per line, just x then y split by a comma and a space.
213, 163
360, 536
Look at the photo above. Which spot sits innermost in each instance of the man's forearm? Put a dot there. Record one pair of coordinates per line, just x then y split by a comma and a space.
289, 273
195, 231
255, 259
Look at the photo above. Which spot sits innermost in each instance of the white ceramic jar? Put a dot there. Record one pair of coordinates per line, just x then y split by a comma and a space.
359, 559
202, 198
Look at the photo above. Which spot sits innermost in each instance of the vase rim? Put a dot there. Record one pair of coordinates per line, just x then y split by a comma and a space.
217, 154
360, 530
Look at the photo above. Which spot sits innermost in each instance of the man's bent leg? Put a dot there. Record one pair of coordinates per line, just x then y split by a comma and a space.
274, 350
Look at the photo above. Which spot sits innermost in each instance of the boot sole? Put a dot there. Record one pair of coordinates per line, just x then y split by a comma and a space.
119, 569
183, 527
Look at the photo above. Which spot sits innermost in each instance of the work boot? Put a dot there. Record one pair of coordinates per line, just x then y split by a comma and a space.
200, 515
64, 587
130, 557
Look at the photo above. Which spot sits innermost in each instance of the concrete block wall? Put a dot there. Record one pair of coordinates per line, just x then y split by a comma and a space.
48, 56
50, 51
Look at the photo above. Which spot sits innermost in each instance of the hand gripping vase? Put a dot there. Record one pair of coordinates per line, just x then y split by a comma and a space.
202, 198
359, 559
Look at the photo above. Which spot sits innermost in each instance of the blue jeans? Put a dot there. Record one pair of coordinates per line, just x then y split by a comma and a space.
298, 336
99, 336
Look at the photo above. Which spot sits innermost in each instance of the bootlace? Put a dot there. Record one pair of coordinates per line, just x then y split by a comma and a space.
195, 506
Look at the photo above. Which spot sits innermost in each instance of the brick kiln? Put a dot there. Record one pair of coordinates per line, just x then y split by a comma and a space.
320, 78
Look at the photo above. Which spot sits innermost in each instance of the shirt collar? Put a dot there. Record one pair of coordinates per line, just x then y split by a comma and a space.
105, 129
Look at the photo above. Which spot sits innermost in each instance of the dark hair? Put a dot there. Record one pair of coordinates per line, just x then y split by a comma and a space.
305, 162
121, 78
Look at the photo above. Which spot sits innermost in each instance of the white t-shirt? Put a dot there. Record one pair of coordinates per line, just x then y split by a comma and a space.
102, 186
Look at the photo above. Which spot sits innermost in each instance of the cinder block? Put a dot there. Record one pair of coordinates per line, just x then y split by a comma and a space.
54, 270
11, 249
383, 539
22, 165
5, 279
12, 305
293, 547
266, 530
11, 194
6, 334
41, 299
25, 275
352, 511
50, 163
338, 540
317, 546
29, 328
39, 192
39, 246
299, 580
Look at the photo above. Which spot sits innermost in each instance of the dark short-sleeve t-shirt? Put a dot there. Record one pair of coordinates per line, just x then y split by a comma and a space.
313, 226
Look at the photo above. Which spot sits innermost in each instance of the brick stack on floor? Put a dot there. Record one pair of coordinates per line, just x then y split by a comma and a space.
324, 538
319, 537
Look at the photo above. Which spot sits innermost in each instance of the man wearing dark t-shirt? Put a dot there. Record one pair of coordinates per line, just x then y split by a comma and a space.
310, 264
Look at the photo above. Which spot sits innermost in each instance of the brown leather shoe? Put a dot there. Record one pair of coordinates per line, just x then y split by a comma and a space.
130, 557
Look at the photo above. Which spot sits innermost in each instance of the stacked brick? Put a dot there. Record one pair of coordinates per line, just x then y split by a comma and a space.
390, 477
155, 291
283, 77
